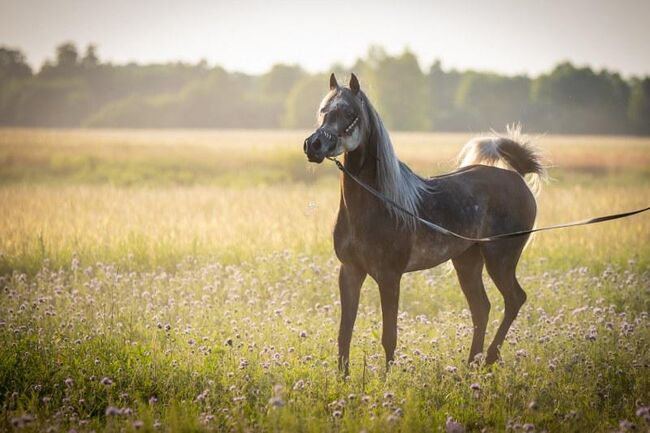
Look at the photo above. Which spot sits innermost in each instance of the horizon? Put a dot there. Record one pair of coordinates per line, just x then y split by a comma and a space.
229, 32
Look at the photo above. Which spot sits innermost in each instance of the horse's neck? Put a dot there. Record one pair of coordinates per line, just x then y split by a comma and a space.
362, 163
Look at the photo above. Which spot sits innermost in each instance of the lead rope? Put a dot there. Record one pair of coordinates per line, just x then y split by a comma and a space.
447, 232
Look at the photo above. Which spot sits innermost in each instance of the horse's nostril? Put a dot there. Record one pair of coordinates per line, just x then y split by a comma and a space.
317, 144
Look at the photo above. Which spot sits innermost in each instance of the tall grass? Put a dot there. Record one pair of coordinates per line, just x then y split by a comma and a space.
185, 281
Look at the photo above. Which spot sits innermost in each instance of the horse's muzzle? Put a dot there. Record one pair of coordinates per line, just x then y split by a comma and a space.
318, 145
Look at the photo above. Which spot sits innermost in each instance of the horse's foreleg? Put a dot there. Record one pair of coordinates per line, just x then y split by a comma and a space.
389, 287
350, 281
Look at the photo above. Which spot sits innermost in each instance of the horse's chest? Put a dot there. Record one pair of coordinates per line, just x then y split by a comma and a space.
347, 246
365, 243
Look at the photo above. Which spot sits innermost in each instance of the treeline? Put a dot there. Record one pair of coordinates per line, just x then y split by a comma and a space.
77, 89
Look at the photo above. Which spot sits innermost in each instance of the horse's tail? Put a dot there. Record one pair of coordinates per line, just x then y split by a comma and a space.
512, 151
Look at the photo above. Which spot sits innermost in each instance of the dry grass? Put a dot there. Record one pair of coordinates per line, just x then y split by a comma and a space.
193, 270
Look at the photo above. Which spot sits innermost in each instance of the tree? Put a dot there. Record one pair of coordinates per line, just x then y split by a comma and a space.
280, 79
13, 65
90, 59
639, 106
67, 56
492, 101
399, 89
303, 100
578, 100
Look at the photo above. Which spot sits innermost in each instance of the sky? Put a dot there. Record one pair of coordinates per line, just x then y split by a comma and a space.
506, 36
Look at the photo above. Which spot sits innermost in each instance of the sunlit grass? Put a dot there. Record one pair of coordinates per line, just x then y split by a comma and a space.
149, 227
195, 272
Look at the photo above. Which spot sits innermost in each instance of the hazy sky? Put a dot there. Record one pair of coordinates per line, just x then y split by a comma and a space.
511, 36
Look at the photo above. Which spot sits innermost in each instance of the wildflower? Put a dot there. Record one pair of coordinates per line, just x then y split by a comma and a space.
388, 395
592, 334
451, 369
276, 402
68, 382
528, 427
644, 412
106, 381
533, 405
337, 414
392, 418
303, 334
202, 396
153, 400
113, 411
626, 425
300, 384
453, 426
475, 387
22, 421
138, 424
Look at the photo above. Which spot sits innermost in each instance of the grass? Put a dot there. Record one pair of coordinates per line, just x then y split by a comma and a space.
194, 272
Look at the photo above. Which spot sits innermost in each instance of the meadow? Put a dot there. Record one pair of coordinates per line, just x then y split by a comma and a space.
184, 280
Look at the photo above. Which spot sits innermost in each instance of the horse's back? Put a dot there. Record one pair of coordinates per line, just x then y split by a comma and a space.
488, 199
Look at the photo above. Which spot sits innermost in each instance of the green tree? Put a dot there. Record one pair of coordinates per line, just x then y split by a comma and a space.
13, 65
639, 106
442, 95
492, 101
302, 101
280, 79
90, 59
578, 100
399, 90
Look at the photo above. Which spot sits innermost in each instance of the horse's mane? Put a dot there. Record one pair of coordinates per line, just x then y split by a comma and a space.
394, 178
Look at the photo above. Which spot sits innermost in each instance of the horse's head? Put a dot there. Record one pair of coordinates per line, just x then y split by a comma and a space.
341, 117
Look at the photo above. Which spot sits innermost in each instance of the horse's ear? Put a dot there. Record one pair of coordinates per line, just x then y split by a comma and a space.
333, 84
354, 84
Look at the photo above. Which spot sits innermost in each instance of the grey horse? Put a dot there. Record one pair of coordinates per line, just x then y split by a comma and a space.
486, 195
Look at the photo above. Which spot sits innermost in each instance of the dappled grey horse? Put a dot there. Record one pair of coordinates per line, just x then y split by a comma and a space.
371, 237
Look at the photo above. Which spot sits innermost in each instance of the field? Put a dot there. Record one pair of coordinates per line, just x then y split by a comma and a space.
185, 281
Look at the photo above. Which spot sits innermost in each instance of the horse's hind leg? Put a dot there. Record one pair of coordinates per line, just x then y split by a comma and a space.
469, 268
501, 260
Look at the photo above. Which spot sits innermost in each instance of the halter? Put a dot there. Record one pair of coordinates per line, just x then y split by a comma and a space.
347, 129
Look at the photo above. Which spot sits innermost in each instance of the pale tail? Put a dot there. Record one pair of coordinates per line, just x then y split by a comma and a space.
511, 151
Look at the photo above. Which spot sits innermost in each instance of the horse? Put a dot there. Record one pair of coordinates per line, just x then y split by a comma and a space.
486, 195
